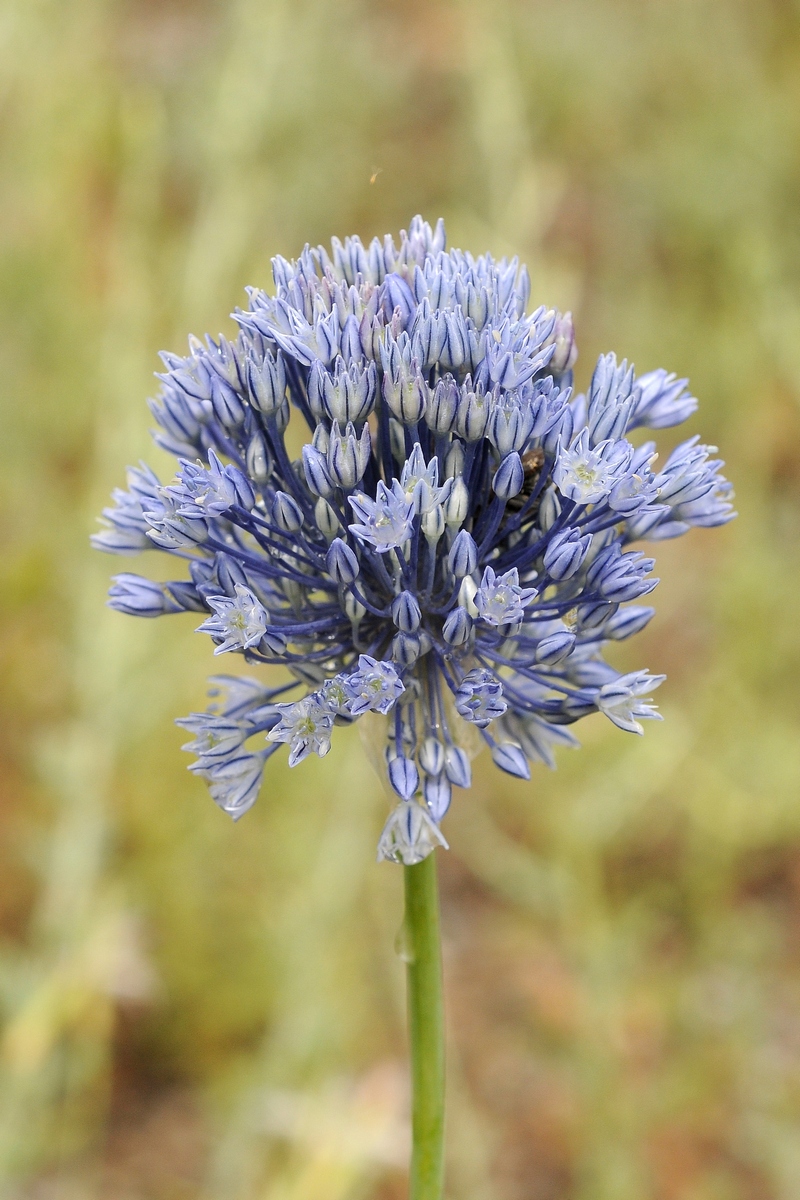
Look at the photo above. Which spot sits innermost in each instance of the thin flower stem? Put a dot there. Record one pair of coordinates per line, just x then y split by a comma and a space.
426, 1028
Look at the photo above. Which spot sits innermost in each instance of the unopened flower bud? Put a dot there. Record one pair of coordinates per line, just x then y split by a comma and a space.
594, 614
432, 523
266, 383
406, 612
561, 433
628, 621
350, 341
227, 405
403, 776
316, 403
369, 333
286, 513
396, 295
406, 648
139, 597
566, 352
315, 469
473, 414
321, 439
477, 306
440, 415
454, 463
341, 562
555, 647
348, 456
463, 557
431, 756
565, 553
437, 792
326, 520
456, 349
259, 460
229, 573
404, 390
457, 504
509, 477
458, 627
457, 766
510, 758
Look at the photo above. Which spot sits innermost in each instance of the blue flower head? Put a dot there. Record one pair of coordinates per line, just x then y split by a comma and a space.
452, 549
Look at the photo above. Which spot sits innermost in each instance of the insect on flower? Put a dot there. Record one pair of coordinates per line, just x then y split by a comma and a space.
452, 551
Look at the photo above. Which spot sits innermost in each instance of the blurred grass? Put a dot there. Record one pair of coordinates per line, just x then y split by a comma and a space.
197, 1010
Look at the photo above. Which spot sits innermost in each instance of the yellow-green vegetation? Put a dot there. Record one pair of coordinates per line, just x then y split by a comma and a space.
197, 1009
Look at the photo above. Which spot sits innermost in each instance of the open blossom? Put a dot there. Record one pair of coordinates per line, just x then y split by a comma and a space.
387, 521
452, 550
410, 834
621, 700
500, 600
305, 726
374, 687
238, 622
587, 475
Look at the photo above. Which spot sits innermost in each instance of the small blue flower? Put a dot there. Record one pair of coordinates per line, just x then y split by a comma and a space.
490, 560
663, 400
374, 687
499, 599
622, 702
234, 782
140, 597
619, 577
386, 521
126, 525
588, 475
305, 726
333, 696
410, 834
419, 480
238, 623
479, 697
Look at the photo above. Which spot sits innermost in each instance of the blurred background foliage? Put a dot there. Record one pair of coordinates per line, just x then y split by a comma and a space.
197, 1010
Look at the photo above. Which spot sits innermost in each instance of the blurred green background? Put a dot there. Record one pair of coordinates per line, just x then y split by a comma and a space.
197, 1010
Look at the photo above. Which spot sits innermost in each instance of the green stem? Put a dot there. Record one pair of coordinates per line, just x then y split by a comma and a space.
426, 1029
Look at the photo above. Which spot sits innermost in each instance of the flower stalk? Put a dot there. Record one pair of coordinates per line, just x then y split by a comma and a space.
426, 1028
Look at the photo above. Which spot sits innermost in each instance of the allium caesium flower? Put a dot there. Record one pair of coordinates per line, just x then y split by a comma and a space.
452, 547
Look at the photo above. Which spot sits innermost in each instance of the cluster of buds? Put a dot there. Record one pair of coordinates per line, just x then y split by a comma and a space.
451, 550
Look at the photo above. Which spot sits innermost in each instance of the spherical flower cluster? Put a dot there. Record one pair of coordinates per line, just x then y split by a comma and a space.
451, 550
